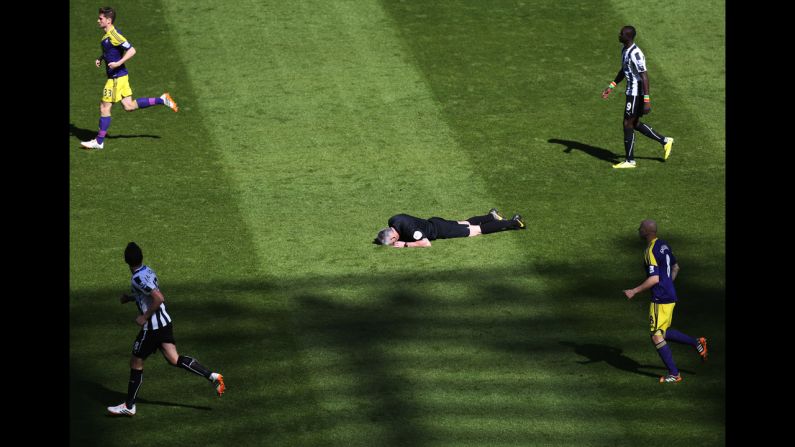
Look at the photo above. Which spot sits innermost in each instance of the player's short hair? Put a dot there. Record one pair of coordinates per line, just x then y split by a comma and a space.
109, 13
133, 255
631, 29
383, 236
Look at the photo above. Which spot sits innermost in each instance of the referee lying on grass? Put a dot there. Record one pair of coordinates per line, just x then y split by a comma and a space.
409, 231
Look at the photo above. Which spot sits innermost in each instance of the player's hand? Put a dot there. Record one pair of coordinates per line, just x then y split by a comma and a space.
606, 93
113, 64
630, 293
646, 108
123, 298
399, 244
98, 62
140, 320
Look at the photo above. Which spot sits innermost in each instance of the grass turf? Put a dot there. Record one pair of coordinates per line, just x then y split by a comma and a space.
302, 129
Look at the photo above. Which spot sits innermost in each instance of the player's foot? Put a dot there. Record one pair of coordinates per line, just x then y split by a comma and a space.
518, 218
625, 165
702, 348
219, 385
496, 214
92, 144
669, 142
670, 378
169, 101
122, 410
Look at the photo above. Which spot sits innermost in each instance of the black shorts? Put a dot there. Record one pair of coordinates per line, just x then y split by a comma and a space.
633, 107
448, 229
149, 341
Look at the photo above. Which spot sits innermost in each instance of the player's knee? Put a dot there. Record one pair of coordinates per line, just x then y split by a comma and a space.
130, 107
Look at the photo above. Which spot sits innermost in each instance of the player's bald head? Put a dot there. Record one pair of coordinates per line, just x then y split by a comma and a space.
648, 227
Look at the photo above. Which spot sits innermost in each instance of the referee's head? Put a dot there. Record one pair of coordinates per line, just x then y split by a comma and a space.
384, 237
133, 255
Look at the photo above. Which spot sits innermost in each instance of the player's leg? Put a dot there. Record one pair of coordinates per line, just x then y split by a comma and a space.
666, 142
128, 104
699, 344
109, 96
142, 103
630, 120
660, 319
142, 348
190, 364
629, 137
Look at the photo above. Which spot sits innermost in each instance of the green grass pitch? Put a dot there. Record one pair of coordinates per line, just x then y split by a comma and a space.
302, 127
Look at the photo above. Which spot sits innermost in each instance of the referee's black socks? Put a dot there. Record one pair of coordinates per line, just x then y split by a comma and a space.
480, 220
499, 225
190, 364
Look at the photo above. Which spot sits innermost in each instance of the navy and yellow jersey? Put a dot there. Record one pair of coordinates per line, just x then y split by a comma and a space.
114, 45
659, 259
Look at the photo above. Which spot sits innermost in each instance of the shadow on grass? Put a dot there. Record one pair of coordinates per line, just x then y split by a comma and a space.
596, 152
106, 397
596, 353
315, 361
86, 134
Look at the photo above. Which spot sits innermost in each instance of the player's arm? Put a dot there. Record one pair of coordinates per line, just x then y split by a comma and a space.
644, 286
674, 271
644, 76
157, 300
126, 298
619, 78
127, 56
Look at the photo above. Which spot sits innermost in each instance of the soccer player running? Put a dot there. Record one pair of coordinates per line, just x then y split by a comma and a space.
633, 68
409, 231
661, 271
156, 332
116, 50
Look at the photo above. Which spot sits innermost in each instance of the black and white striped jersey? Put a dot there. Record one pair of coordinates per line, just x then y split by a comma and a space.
633, 62
144, 281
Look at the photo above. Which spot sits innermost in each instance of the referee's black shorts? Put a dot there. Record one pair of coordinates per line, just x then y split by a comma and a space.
149, 341
448, 229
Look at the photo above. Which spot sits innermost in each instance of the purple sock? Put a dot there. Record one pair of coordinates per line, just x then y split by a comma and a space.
104, 124
146, 102
674, 335
668, 358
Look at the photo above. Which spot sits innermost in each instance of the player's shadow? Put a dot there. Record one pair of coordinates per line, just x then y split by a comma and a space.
108, 397
86, 134
596, 152
612, 356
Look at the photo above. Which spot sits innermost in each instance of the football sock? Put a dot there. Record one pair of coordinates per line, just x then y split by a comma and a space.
146, 102
190, 364
629, 143
480, 220
674, 335
645, 129
667, 357
136, 377
499, 225
104, 124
